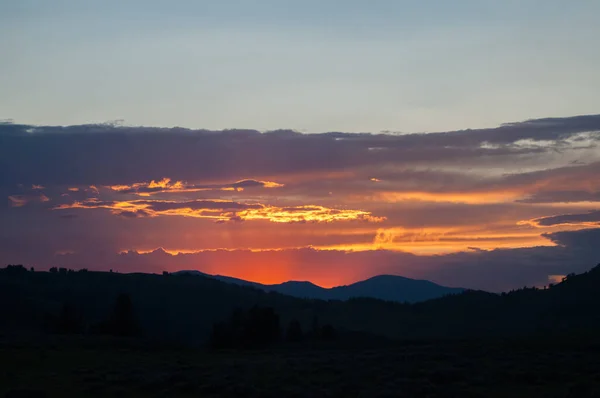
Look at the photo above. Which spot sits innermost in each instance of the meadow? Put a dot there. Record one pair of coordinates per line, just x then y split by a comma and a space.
75, 367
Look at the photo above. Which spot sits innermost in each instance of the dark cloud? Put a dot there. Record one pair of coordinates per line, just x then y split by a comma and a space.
132, 214
583, 218
568, 196
585, 239
245, 184
107, 155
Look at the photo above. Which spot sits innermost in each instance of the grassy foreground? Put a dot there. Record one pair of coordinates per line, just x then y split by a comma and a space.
81, 368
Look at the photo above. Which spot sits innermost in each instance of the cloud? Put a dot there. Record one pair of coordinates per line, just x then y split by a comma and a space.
17, 200
585, 239
165, 185
22, 200
567, 196
222, 210
459, 207
165, 206
63, 156
133, 214
583, 219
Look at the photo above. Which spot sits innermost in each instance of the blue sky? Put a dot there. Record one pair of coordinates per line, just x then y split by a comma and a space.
308, 65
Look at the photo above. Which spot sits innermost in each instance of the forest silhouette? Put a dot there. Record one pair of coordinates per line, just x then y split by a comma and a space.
197, 310
106, 333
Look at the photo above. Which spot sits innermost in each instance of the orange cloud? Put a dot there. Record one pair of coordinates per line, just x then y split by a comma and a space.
165, 185
158, 186
271, 184
306, 214
119, 188
17, 200
440, 247
449, 197
579, 220
222, 211
436, 240
22, 200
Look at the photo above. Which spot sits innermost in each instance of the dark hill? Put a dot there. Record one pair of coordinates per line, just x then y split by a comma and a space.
394, 288
183, 308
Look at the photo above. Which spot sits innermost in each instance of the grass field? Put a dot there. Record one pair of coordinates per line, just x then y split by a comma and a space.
78, 368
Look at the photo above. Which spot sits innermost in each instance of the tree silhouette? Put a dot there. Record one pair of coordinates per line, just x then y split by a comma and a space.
70, 320
262, 326
123, 321
328, 332
294, 332
259, 326
15, 270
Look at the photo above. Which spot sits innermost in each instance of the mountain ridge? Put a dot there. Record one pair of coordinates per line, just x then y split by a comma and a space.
384, 287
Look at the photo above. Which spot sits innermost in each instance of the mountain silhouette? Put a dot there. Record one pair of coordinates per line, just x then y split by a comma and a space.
382, 287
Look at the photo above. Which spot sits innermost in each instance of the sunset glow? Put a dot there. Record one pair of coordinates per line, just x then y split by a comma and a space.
330, 217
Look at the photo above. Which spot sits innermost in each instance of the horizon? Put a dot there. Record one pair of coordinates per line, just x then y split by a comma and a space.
552, 280
300, 281
328, 141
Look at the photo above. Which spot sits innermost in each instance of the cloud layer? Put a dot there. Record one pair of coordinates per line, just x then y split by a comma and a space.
336, 206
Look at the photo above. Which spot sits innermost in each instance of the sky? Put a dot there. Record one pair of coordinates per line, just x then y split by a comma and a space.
322, 140
312, 65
